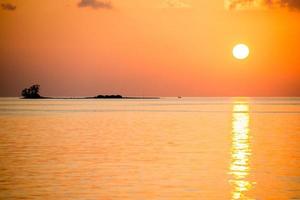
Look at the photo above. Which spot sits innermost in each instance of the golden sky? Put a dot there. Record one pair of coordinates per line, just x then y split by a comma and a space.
152, 48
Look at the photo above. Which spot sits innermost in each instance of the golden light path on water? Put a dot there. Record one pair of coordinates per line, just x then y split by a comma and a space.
240, 152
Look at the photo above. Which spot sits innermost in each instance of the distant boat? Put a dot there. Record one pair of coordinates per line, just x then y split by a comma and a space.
179, 97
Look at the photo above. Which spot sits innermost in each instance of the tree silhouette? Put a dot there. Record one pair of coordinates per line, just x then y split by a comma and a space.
32, 92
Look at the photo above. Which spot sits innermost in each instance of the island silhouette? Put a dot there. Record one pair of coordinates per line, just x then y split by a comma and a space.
33, 92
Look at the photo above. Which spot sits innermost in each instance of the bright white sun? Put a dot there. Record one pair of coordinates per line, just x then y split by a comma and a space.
240, 51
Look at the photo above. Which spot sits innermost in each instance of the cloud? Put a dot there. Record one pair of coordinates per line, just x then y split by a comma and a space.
95, 4
8, 6
175, 4
240, 4
261, 4
293, 4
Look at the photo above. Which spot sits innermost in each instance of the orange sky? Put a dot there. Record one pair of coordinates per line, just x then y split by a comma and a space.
152, 48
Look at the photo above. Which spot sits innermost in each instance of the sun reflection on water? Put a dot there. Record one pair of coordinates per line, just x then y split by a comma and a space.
240, 152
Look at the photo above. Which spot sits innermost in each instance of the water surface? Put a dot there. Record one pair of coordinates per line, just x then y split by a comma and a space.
167, 149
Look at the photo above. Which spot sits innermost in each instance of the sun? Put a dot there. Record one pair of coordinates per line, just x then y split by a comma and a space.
240, 51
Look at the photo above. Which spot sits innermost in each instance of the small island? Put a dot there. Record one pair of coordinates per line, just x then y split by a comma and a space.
109, 97
33, 93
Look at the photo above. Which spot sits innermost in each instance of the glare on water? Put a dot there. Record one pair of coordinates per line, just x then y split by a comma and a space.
241, 151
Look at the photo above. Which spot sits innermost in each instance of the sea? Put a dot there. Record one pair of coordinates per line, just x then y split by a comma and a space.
150, 149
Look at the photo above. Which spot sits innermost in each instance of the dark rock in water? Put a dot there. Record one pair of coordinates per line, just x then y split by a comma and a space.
109, 97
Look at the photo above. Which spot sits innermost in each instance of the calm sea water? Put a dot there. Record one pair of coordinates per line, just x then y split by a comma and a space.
167, 149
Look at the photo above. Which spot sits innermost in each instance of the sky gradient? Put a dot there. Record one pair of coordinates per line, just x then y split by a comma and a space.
150, 48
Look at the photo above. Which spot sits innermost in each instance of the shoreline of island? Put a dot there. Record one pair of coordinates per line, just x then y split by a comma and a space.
90, 98
33, 93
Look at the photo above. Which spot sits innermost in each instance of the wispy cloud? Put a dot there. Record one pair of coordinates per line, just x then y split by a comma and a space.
96, 4
8, 6
258, 4
293, 4
175, 4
